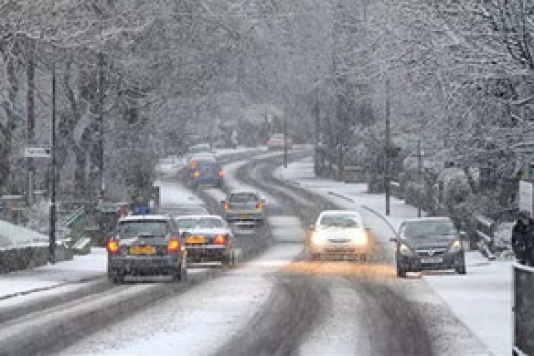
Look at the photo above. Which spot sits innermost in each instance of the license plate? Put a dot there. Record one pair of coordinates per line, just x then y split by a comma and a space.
195, 240
143, 250
432, 260
243, 215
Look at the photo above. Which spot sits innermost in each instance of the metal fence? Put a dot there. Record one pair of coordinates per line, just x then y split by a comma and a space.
523, 310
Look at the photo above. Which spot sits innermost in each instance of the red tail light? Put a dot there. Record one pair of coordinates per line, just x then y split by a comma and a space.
221, 173
226, 206
112, 246
193, 164
219, 240
196, 174
260, 205
270, 142
173, 245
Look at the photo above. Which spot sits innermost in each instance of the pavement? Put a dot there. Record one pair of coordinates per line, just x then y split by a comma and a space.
481, 300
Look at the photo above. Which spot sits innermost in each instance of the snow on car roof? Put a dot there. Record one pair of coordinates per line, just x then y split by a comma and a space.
144, 217
429, 218
211, 216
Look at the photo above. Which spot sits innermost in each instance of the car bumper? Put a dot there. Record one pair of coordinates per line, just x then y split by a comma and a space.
441, 262
340, 249
207, 252
244, 216
210, 181
143, 265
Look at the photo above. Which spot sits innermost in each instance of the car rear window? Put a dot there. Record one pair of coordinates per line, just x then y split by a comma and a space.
156, 228
339, 221
429, 228
243, 197
199, 223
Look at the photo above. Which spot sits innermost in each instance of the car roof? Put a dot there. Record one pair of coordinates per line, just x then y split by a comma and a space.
430, 218
150, 217
211, 216
238, 191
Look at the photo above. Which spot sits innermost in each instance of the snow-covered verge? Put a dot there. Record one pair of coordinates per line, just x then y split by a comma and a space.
482, 299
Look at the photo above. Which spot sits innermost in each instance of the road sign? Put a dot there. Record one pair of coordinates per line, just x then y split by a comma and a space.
37, 152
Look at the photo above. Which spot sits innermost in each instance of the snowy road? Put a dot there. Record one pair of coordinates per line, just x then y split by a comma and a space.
279, 304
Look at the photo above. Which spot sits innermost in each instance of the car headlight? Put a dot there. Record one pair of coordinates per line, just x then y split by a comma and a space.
405, 250
359, 238
456, 246
317, 238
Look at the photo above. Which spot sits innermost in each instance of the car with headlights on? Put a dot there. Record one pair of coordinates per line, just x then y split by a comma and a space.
244, 206
339, 233
146, 245
207, 238
431, 243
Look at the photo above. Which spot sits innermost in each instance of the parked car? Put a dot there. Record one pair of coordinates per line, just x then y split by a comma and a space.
146, 245
277, 142
207, 238
244, 205
339, 233
431, 243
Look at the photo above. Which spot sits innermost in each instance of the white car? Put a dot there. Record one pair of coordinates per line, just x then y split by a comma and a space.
339, 233
207, 238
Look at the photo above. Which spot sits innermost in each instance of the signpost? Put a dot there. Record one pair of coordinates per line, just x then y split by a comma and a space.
38, 152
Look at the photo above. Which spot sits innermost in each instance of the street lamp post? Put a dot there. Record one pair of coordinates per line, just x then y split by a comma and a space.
419, 176
388, 152
53, 210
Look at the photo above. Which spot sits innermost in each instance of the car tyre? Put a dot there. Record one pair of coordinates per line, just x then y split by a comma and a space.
461, 270
177, 274
116, 278
401, 272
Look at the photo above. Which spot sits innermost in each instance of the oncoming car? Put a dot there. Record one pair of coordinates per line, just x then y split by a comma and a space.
208, 238
429, 244
339, 233
244, 205
146, 245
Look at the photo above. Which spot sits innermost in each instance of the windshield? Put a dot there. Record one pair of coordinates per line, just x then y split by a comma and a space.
143, 228
424, 229
243, 197
346, 221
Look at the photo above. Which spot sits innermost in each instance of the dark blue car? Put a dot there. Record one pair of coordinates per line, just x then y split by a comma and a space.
206, 173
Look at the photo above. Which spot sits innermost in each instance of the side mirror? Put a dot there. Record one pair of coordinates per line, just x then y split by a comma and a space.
463, 235
394, 239
223, 202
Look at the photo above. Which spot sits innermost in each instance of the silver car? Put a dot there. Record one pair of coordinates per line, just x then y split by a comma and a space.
207, 238
244, 205
146, 245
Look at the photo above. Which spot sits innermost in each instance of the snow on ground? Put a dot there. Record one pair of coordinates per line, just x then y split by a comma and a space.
482, 299
199, 321
81, 268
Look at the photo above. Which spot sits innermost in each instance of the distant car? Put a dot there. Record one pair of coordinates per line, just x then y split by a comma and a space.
277, 142
206, 172
207, 238
244, 205
339, 233
429, 244
146, 245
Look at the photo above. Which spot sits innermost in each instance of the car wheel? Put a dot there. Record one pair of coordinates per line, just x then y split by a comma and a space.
116, 277
461, 270
177, 274
401, 272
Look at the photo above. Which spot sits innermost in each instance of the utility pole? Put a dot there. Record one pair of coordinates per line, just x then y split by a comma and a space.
52, 240
388, 151
30, 124
419, 176
317, 123
285, 140
101, 123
